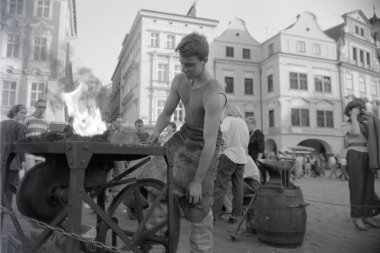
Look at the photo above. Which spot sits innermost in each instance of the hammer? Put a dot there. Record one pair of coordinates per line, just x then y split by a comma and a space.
235, 233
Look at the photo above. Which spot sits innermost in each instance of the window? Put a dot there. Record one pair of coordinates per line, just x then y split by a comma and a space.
368, 59
177, 69
170, 42
325, 119
373, 87
229, 84
349, 82
271, 118
354, 54
322, 83
160, 104
356, 29
361, 31
37, 92
301, 46
229, 51
154, 40
361, 57
270, 49
248, 86
13, 45
300, 117
362, 84
40, 48
316, 49
9, 93
15, 7
270, 83
43, 8
178, 115
298, 81
246, 53
162, 72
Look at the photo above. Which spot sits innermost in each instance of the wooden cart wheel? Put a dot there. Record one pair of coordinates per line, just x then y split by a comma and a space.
140, 197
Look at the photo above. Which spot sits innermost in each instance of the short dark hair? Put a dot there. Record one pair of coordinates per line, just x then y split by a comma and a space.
194, 44
356, 103
173, 124
139, 121
14, 110
40, 100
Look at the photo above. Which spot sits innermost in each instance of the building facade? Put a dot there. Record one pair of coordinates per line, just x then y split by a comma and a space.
358, 60
296, 84
34, 53
235, 58
148, 62
300, 88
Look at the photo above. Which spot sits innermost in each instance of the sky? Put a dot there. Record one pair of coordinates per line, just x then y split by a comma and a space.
103, 24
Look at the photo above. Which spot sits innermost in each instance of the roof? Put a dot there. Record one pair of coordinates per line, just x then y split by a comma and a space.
237, 32
334, 32
359, 12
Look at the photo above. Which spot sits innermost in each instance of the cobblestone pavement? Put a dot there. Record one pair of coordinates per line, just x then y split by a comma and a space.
329, 227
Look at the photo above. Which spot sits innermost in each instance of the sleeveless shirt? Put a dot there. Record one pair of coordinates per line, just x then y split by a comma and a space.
194, 99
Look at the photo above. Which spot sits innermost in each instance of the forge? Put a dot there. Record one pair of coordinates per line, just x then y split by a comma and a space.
75, 172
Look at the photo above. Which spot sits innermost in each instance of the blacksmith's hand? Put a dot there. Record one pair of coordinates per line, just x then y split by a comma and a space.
194, 193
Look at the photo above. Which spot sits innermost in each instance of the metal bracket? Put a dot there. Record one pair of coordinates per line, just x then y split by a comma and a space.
78, 154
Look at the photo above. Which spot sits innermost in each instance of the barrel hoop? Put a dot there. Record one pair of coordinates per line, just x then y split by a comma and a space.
290, 234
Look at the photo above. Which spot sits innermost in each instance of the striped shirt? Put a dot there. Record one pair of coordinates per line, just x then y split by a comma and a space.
35, 126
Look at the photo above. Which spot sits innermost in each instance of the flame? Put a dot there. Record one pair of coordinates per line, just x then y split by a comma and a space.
87, 116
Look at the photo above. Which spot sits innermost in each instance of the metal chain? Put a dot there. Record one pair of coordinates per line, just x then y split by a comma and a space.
62, 231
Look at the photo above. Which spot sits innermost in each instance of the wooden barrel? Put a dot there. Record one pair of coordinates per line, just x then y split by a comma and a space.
280, 216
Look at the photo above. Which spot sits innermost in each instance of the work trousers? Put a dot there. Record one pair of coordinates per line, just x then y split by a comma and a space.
361, 184
228, 170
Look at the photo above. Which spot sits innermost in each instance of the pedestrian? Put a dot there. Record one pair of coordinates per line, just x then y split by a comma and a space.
343, 168
170, 130
197, 143
35, 126
117, 136
298, 165
256, 146
231, 162
12, 130
361, 179
332, 163
308, 166
140, 132
68, 130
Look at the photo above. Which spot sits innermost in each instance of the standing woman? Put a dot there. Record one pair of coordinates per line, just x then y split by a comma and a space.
12, 130
361, 178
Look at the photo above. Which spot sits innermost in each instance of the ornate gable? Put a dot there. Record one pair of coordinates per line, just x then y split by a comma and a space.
357, 16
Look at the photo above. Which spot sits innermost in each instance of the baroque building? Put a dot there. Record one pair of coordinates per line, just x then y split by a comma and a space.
148, 62
35, 53
296, 83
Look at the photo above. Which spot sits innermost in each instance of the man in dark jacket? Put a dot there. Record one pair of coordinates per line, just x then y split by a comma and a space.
256, 144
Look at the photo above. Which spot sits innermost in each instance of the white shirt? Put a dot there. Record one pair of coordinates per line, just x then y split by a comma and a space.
236, 137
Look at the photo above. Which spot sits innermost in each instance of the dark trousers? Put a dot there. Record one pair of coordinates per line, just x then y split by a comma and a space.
228, 170
11, 182
362, 185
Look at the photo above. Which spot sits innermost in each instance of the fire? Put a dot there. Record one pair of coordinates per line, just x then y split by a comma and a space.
87, 116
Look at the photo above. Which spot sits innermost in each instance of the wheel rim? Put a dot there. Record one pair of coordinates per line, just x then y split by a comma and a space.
154, 234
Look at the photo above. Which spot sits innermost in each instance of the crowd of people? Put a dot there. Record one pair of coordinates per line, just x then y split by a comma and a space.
315, 164
214, 148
